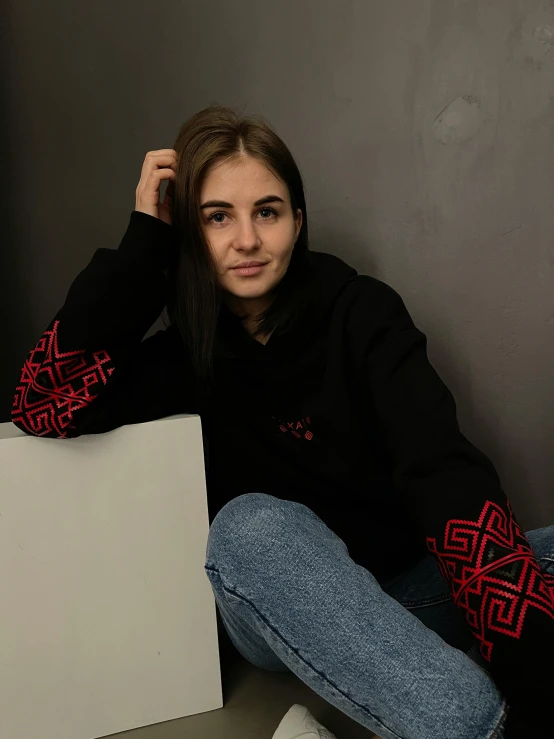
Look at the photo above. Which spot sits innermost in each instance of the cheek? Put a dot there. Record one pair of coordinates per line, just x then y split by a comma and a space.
285, 239
290, 242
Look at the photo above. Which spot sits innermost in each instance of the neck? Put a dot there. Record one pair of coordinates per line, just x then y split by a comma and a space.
250, 308
250, 324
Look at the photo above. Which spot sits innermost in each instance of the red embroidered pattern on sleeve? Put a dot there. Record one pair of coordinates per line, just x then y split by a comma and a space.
493, 574
54, 385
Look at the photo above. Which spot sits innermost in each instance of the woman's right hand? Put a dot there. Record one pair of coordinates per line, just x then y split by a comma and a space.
158, 165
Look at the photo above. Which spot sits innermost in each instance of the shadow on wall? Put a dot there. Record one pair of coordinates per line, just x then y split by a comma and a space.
14, 208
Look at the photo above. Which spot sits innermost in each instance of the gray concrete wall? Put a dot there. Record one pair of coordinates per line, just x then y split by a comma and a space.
424, 131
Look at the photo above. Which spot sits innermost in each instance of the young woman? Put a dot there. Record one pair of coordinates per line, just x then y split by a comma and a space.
357, 538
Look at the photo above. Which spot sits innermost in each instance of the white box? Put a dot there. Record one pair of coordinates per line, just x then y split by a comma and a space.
107, 618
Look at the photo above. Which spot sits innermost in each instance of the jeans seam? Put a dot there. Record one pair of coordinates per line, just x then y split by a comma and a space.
498, 730
293, 649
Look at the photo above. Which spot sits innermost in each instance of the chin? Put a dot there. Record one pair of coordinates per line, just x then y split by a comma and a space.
251, 294
252, 290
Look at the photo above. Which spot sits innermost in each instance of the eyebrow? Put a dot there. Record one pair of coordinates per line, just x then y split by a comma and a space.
223, 204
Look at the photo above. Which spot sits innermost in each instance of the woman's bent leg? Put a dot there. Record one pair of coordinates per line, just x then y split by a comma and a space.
293, 598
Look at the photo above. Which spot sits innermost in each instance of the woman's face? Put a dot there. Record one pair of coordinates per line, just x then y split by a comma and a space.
246, 216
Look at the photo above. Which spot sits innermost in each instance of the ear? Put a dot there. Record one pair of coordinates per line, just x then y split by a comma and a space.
298, 223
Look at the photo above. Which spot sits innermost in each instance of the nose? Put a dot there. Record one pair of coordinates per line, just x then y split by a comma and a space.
247, 237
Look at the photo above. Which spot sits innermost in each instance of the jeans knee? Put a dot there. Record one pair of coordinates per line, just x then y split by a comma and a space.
234, 523
245, 525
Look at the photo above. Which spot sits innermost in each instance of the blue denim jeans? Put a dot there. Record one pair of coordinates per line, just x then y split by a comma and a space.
395, 656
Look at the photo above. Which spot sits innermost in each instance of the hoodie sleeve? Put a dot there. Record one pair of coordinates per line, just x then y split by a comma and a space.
457, 504
90, 371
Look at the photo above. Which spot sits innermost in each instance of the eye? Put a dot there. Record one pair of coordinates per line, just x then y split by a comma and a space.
265, 213
214, 217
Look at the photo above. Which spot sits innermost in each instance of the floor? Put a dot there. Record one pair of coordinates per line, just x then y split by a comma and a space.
254, 703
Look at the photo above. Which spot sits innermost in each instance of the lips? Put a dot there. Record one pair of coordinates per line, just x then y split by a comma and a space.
249, 271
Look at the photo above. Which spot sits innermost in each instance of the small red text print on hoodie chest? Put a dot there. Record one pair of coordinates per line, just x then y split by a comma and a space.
299, 429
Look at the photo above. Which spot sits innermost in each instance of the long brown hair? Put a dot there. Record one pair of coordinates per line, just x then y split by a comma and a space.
194, 297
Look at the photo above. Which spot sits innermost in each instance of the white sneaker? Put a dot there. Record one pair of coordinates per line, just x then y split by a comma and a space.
298, 723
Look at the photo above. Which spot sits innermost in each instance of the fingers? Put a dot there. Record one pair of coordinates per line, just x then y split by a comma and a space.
158, 165
158, 158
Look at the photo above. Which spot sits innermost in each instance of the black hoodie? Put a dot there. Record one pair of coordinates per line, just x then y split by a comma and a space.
342, 412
